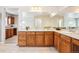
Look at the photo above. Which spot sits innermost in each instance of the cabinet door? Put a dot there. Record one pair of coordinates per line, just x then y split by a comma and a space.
75, 41
65, 44
57, 40
6, 33
75, 45
30, 38
39, 38
65, 47
48, 39
22, 38
12, 30
9, 33
15, 31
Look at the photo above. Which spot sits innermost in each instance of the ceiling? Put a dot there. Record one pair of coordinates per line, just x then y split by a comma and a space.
59, 10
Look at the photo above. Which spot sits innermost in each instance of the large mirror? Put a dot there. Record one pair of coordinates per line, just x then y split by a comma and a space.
71, 20
34, 20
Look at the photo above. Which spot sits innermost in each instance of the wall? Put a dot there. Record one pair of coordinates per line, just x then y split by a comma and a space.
36, 21
25, 19
3, 25
0, 27
47, 21
69, 19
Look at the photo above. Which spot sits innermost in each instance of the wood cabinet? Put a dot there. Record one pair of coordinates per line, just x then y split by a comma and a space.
22, 39
62, 43
7, 34
15, 31
65, 45
75, 41
30, 38
39, 38
48, 38
75, 45
10, 32
57, 40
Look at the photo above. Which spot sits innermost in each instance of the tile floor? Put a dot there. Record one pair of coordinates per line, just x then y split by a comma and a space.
12, 40
11, 47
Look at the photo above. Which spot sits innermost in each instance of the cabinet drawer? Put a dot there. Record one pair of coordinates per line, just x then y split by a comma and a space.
30, 33
56, 34
66, 38
48, 33
75, 41
22, 35
39, 33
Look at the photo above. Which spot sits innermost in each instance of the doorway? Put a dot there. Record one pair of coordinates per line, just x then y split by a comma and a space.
11, 29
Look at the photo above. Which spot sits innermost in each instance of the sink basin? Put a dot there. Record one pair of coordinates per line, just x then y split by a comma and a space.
68, 32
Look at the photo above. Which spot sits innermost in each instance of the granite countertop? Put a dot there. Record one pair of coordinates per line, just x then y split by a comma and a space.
64, 32
9, 27
70, 34
37, 30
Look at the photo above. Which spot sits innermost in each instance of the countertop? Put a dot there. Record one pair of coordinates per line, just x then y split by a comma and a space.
64, 32
9, 27
68, 33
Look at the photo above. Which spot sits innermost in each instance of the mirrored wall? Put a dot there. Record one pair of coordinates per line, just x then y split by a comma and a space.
71, 20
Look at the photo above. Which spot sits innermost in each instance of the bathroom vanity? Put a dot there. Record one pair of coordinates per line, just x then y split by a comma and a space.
35, 38
63, 41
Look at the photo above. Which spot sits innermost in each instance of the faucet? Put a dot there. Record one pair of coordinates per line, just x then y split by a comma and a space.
27, 27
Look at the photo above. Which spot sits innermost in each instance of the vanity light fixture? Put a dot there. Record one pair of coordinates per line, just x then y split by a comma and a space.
36, 9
